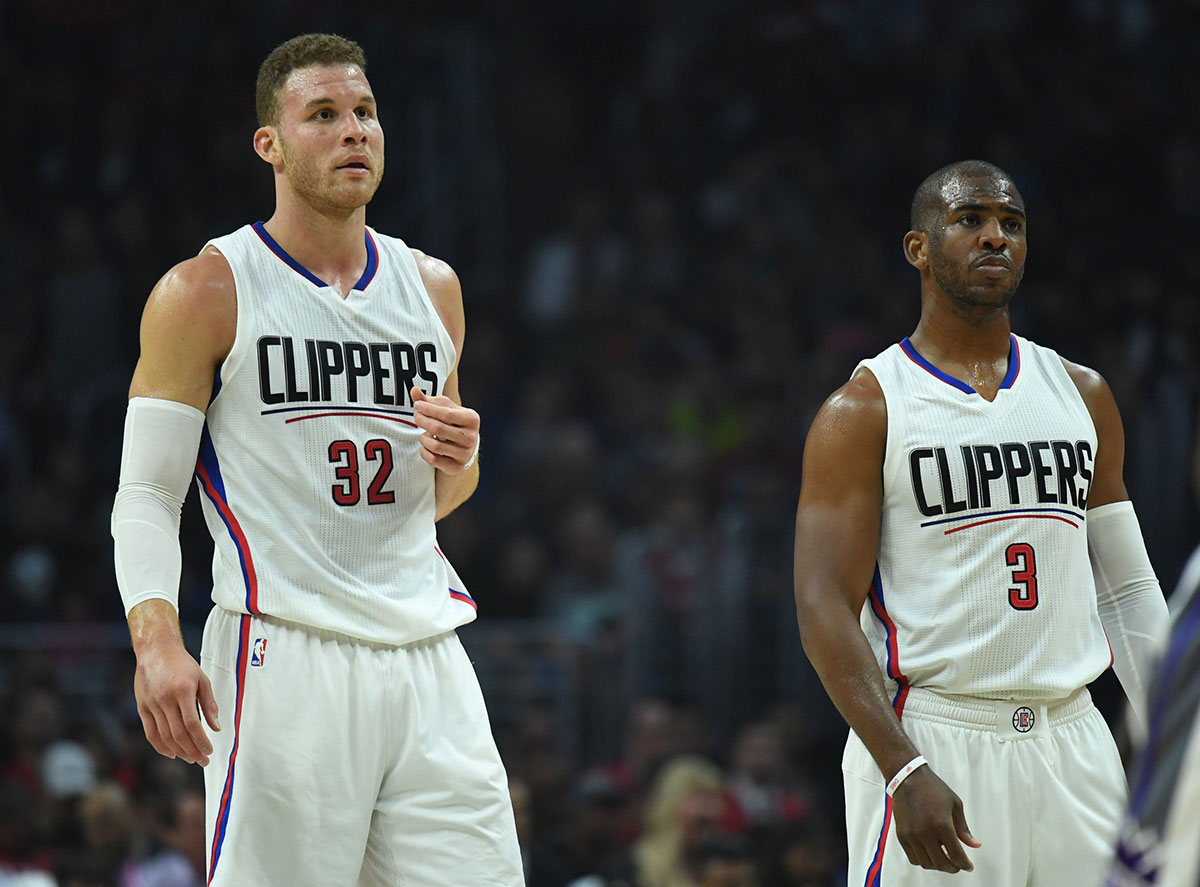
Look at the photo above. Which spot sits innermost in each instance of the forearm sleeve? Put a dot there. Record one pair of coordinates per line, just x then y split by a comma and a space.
158, 458
1128, 596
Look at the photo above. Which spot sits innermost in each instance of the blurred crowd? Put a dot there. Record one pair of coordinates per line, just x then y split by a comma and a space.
678, 229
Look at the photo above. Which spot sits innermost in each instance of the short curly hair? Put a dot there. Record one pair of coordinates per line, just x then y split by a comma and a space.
304, 51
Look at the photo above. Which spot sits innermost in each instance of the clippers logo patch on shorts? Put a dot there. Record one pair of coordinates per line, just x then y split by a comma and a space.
1023, 719
258, 654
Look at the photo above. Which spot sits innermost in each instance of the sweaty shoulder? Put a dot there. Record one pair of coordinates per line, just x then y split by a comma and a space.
446, 293
197, 298
188, 327
1092, 388
857, 409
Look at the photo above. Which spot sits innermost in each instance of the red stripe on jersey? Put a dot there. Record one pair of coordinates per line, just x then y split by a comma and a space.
239, 538
227, 792
993, 520
364, 413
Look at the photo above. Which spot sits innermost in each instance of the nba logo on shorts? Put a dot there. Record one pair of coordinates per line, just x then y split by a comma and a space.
259, 653
1023, 719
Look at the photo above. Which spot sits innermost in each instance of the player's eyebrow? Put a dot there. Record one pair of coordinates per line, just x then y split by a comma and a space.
326, 100
1008, 209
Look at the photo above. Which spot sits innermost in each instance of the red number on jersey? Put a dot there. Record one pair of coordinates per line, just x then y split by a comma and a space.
381, 450
347, 491
1019, 556
344, 452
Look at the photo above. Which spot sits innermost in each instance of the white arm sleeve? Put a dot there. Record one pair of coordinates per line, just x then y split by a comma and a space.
1128, 597
158, 458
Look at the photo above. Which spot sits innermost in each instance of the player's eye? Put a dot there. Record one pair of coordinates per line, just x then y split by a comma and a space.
1012, 224
969, 219
323, 114
363, 113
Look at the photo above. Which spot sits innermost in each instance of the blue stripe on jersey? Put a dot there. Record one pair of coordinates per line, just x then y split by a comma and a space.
216, 389
949, 520
368, 272
372, 263
875, 869
208, 458
879, 608
334, 406
226, 801
212, 471
1014, 365
915, 356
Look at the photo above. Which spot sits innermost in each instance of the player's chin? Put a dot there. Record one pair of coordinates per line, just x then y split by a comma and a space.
350, 195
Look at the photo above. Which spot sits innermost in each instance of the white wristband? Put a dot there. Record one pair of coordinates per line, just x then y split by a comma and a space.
474, 456
904, 773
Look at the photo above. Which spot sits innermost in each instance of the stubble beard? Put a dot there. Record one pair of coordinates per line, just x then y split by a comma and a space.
314, 188
952, 280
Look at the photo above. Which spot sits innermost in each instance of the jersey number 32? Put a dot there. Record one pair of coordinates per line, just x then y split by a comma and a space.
348, 490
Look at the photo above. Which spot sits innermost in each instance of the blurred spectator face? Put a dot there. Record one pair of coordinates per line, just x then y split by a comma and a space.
728, 873
587, 538
759, 753
107, 819
808, 862
38, 719
651, 734
699, 813
315, 142
187, 834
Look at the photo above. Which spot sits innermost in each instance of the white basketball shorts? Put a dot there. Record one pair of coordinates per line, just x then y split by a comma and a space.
1042, 789
342, 762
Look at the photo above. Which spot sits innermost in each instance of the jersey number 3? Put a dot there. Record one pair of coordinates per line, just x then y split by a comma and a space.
347, 491
1019, 556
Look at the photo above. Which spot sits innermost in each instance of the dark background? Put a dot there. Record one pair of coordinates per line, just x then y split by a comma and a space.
677, 225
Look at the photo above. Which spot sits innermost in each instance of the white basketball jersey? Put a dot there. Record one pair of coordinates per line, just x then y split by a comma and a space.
320, 508
983, 585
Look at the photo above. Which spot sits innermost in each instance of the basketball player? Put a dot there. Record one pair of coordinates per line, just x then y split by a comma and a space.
305, 370
1159, 843
952, 490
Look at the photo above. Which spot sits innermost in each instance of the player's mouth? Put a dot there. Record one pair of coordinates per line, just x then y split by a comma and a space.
358, 164
994, 266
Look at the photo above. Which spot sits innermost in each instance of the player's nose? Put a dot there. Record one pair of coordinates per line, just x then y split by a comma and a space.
992, 235
355, 132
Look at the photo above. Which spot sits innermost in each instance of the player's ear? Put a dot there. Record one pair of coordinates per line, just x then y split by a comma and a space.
916, 249
266, 145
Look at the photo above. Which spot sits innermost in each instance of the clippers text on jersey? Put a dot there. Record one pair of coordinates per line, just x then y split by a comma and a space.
1037, 472
323, 371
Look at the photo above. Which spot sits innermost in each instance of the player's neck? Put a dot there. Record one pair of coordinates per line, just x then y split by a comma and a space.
963, 334
331, 246
971, 346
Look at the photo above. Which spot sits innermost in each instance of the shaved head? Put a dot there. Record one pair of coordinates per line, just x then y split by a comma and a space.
935, 194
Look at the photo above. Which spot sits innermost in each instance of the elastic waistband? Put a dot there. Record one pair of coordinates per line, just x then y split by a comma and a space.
326, 634
1002, 715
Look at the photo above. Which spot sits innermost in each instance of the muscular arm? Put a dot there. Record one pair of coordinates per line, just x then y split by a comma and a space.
837, 541
1128, 597
451, 430
187, 328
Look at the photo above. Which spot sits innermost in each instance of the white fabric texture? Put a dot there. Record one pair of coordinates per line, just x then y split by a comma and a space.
1046, 809
321, 509
158, 459
350, 763
983, 506
1128, 597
